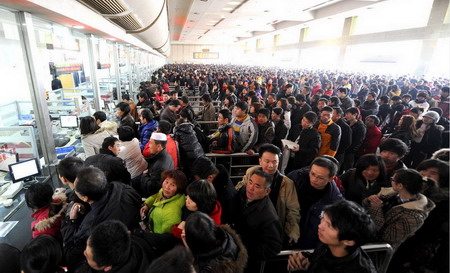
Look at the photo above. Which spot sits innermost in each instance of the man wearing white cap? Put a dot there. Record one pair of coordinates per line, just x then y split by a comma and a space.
427, 141
158, 162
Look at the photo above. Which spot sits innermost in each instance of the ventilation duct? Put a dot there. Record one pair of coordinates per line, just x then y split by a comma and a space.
146, 20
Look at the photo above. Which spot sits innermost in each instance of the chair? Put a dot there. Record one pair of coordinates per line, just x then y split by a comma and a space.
380, 254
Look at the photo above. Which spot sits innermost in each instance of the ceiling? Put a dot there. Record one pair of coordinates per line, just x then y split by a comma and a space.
230, 21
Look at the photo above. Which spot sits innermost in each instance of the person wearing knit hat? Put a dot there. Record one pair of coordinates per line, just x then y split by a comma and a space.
427, 141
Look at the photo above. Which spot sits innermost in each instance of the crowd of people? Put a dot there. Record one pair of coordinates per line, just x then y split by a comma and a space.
343, 160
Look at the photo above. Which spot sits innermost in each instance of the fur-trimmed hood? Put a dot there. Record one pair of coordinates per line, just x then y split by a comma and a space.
230, 257
423, 203
58, 203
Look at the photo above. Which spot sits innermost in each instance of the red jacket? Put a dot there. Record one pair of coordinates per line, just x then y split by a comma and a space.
45, 225
372, 141
171, 148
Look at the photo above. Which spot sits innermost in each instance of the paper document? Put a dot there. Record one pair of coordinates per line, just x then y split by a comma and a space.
5, 227
289, 144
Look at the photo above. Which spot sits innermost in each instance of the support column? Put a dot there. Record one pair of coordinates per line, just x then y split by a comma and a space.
346, 31
117, 72
93, 66
130, 72
37, 89
301, 40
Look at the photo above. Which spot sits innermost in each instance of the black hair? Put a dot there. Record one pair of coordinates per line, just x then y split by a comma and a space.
335, 100
143, 95
206, 97
91, 182
411, 180
179, 178
173, 93
265, 112
352, 223
324, 100
201, 233
88, 125
242, 105
100, 115
375, 119
278, 111
108, 142
124, 107
353, 110
126, 133
394, 145
266, 176
300, 97
270, 148
422, 94
327, 109
226, 114
326, 163
441, 166
203, 194
9, 258
310, 116
178, 260
126, 97
416, 110
42, 254
368, 160
437, 110
147, 114
187, 113
39, 195
165, 127
343, 90
110, 243
373, 94
384, 99
69, 167
184, 99
203, 167
338, 110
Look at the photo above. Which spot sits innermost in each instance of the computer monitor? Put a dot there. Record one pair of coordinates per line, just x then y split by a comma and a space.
24, 170
7, 158
68, 121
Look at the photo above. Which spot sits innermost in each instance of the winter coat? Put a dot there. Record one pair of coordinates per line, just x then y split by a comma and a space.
284, 197
49, 218
309, 144
127, 120
230, 256
330, 134
151, 181
266, 134
113, 167
308, 229
134, 160
281, 132
168, 115
246, 131
109, 126
356, 187
401, 221
369, 108
403, 135
358, 135
226, 140
163, 214
372, 141
93, 142
346, 103
431, 141
225, 192
189, 146
145, 132
346, 136
171, 149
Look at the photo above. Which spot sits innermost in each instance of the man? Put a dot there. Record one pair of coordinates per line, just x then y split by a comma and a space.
110, 248
266, 130
346, 134
315, 189
256, 220
444, 102
107, 201
300, 110
369, 106
346, 102
330, 133
282, 191
244, 127
392, 150
105, 125
358, 134
343, 229
373, 136
208, 113
158, 162
321, 104
223, 141
170, 112
144, 102
184, 103
281, 130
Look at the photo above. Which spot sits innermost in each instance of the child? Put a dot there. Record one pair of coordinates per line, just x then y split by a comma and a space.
48, 210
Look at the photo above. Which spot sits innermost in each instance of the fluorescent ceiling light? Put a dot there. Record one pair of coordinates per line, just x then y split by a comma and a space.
227, 9
234, 3
78, 27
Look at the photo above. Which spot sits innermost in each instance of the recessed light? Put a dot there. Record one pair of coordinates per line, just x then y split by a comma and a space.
227, 9
234, 3
78, 27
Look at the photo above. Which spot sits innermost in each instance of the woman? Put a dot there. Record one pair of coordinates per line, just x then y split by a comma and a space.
123, 113
91, 138
366, 179
284, 104
148, 126
400, 211
163, 209
131, 154
228, 103
215, 248
406, 130
200, 196
42, 254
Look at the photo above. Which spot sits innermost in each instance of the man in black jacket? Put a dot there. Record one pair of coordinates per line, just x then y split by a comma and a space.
159, 161
346, 134
107, 200
358, 135
256, 220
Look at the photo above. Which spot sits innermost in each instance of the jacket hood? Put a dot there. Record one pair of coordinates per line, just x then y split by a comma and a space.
186, 127
58, 200
423, 203
107, 126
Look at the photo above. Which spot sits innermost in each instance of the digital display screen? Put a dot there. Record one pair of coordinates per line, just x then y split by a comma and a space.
24, 169
68, 121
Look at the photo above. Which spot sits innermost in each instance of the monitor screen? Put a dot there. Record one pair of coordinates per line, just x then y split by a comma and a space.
111, 106
68, 121
7, 158
24, 170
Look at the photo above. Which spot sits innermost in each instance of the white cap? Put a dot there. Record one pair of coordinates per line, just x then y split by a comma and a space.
158, 136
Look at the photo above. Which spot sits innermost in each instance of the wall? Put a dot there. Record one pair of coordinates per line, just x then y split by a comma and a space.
184, 53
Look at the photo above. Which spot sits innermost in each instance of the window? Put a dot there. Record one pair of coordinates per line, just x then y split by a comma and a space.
325, 29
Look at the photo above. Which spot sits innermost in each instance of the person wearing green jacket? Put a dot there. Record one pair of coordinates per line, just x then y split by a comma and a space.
163, 209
